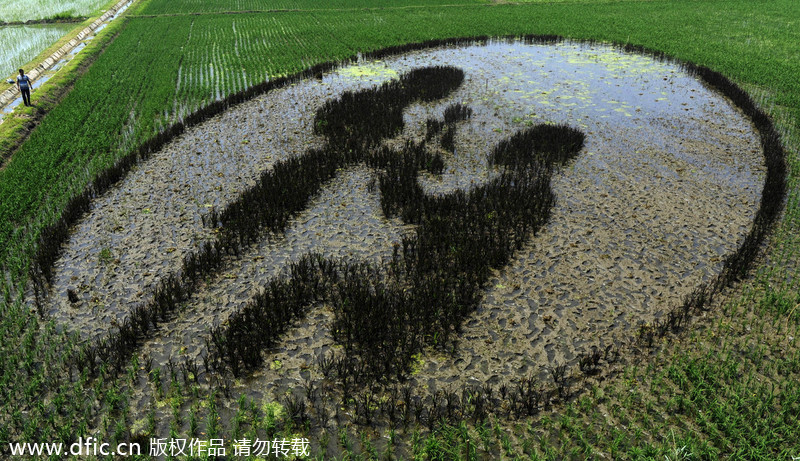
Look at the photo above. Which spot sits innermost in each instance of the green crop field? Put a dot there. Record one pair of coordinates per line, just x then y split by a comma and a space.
726, 387
219, 6
36, 10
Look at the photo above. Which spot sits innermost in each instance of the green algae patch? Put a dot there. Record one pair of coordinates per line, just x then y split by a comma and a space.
369, 71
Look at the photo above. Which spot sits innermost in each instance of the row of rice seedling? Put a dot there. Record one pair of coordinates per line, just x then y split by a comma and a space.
20, 44
16, 12
402, 406
158, 7
219, 61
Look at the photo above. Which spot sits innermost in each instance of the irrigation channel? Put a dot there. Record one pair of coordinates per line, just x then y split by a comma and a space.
665, 184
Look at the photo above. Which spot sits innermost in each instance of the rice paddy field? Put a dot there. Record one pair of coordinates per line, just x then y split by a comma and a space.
20, 43
12, 11
413, 230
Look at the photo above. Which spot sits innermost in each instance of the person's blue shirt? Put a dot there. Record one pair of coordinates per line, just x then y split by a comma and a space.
24, 82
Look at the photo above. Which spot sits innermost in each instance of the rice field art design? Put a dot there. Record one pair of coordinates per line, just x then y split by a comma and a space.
427, 233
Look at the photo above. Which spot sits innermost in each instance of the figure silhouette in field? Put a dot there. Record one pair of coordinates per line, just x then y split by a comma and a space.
383, 316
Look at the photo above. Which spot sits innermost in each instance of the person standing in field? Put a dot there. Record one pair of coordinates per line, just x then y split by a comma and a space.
24, 86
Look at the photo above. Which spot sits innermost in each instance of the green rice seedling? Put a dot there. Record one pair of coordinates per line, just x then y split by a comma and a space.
213, 418
388, 452
344, 440
120, 431
366, 446
218, 6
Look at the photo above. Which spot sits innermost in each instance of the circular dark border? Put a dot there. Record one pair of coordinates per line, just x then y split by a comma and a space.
736, 265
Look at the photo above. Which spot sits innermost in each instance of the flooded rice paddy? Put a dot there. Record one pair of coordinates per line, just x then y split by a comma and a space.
15, 11
20, 44
666, 185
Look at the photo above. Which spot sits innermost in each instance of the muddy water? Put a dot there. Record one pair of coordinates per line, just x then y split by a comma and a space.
667, 184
